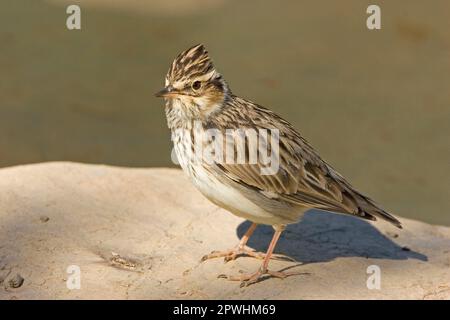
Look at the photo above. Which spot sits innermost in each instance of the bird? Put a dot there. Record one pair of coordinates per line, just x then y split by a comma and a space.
199, 102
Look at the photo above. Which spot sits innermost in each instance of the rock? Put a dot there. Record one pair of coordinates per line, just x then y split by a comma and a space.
140, 233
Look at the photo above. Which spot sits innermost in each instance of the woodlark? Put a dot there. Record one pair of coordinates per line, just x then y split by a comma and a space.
202, 112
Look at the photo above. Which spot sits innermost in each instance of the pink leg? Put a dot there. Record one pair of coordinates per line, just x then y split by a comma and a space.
247, 236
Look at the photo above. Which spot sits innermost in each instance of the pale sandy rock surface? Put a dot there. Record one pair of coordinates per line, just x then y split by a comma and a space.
140, 233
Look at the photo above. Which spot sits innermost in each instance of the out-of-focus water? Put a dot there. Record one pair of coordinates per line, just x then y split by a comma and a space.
375, 104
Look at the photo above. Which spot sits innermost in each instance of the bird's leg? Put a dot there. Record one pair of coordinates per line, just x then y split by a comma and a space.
240, 250
243, 242
263, 271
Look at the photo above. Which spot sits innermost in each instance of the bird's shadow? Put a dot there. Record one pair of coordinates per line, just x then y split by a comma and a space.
323, 236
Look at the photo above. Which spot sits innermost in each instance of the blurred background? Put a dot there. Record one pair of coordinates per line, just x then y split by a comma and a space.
375, 104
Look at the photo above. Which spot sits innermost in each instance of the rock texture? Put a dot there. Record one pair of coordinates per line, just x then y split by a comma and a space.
140, 233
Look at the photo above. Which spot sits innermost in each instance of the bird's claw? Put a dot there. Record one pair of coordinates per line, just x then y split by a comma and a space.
233, 254
249, 279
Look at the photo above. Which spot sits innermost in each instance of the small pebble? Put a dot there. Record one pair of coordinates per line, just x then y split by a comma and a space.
186, 272
392, 235
44, 218
16, 281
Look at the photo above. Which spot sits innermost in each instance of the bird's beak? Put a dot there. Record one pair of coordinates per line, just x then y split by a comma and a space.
166, 92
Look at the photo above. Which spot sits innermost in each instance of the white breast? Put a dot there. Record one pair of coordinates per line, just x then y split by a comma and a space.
219, 193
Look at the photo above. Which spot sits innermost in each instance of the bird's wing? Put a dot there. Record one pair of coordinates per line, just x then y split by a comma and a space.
302, 178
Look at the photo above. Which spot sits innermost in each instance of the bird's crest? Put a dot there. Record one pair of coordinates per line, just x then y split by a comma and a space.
191, 63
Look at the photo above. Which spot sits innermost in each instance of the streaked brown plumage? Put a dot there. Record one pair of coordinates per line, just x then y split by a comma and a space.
198, 98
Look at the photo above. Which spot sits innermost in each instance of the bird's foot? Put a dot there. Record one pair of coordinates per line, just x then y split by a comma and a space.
233, 254
249, 279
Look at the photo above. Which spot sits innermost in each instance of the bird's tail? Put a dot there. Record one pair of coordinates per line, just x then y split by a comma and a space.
370, 210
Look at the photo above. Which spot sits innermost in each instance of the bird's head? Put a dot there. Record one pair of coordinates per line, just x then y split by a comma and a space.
193, 81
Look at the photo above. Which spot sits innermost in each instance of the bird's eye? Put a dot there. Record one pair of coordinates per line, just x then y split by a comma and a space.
196, 85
